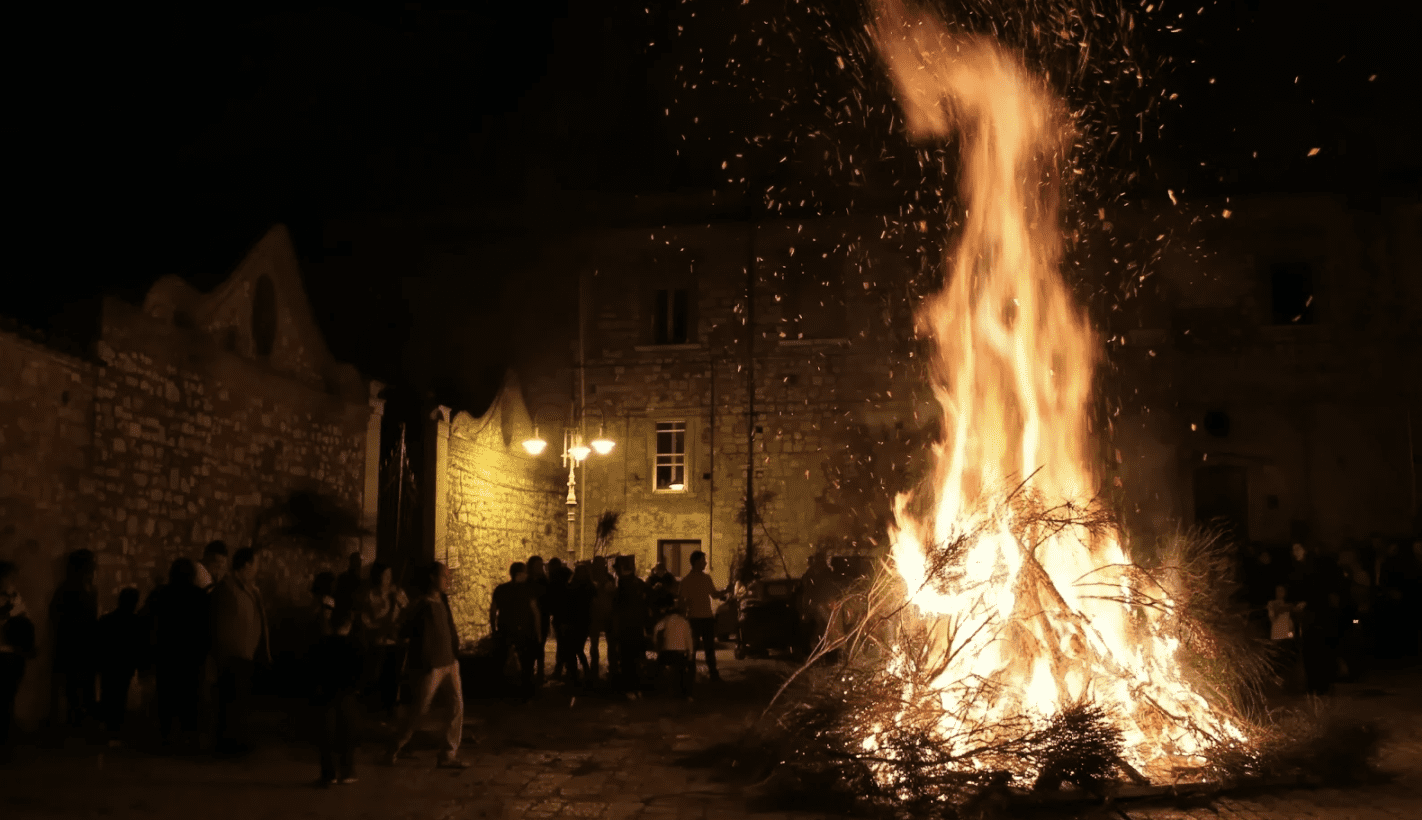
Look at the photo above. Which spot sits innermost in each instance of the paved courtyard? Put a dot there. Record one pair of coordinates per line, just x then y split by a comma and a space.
594, 756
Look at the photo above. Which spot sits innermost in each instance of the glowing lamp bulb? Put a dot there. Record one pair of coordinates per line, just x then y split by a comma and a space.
602, 446
579, 452
535, 446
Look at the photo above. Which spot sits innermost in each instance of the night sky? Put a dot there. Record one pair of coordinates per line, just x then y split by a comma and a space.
151, 141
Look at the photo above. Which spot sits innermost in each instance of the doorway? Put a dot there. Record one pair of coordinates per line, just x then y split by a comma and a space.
675, 555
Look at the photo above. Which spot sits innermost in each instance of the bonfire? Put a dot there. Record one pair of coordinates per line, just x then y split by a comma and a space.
1014, 641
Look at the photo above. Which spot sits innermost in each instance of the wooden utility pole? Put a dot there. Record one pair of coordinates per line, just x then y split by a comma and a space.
750, 394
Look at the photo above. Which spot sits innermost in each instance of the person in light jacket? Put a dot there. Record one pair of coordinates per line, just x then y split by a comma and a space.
239, 643
433, 664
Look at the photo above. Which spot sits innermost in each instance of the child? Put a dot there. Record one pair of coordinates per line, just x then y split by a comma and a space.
673, 640
337, 663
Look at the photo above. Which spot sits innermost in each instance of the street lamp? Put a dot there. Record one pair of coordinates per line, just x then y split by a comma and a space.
535, 445
575, 452
602, 445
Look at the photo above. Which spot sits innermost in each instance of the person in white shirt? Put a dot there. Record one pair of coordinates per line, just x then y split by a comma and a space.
672, 636
697, 589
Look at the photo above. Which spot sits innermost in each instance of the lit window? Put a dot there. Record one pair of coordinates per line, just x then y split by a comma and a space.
671, 456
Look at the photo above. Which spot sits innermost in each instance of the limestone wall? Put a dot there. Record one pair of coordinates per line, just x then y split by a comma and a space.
502, 505
170, 437
46, 406
192, 445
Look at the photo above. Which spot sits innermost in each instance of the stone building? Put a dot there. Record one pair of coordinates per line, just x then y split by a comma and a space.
1263, 373
1273, 373
194, 417
662, 361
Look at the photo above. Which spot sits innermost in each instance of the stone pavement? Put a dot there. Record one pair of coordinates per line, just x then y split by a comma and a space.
594, 757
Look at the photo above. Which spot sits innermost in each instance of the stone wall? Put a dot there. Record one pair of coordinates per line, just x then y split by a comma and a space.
501, 505
198, 418
46, 406
193, 444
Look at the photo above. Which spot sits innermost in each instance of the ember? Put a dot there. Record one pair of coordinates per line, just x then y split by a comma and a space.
1029, 606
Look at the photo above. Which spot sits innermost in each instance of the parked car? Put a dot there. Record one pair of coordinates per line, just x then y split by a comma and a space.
827, 582
767, 619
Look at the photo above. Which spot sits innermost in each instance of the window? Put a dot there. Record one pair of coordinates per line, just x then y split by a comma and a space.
264, 317
671, 456
814, 300
1291, 293
671, 316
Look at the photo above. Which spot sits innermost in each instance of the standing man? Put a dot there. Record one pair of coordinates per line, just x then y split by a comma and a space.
434, 665
239, 642
697, 589
629, 615
515, 618
348, 583
213, 567
74, 616
182, 635
123, 646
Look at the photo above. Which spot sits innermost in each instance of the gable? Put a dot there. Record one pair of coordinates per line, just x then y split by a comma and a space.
259, 312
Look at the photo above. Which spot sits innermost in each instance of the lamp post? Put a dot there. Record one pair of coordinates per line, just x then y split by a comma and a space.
575, 452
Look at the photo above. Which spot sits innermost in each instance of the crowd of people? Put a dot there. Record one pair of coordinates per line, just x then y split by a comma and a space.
203, 637
581, 607
1330, 614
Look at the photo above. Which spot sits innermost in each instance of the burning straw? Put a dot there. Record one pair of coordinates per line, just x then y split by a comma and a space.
870, 713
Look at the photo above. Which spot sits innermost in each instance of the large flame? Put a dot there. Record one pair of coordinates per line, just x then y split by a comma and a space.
1049, 624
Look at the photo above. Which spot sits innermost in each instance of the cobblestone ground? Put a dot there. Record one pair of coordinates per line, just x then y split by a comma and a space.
593, 757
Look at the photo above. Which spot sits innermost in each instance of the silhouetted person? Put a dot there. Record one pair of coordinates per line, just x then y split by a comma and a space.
122, 647
556, 600
338, 664
600, 621
239, 642
323, 603
629, 615
382, 605
433, 665
697, 589
573, 622
538, 580
515, 617
213, 566
74, 619
182, 635
17, 646
660, 576
1392, 627
1283, 630
349, 583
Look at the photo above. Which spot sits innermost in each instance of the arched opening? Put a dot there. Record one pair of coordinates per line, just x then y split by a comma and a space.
264, 317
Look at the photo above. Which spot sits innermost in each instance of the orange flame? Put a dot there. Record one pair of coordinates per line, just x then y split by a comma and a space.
1050, 623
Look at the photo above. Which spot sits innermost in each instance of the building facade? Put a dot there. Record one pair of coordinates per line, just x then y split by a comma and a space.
1270, 379
1262, 373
